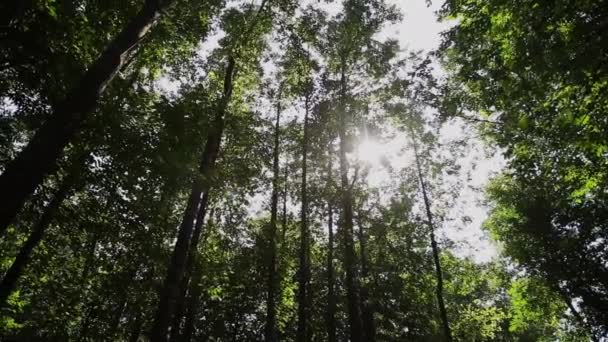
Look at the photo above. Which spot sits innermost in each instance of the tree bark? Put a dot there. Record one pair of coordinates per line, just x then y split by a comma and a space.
352, 276
191, 310
303, 333
435, 249
331, 297
39, 157
190, 264
190, 315
270, 332
175, 272
14, 272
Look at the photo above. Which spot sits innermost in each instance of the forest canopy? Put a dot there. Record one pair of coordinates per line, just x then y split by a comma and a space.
282, 170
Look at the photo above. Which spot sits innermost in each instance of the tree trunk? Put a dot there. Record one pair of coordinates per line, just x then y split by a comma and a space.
331, 297
193, 302
367, 313
39, 157
352, 276
191, 310
190, 262
303, 333
14, 272
284, 223
439, 291
270, 332
175, 272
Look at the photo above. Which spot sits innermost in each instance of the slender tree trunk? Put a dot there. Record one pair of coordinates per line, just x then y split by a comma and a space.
14, 272
304, 257
270, 332
284, 223
439, 291
352, 276
331, 297
367, 313
190, 262
39, 157
175, 272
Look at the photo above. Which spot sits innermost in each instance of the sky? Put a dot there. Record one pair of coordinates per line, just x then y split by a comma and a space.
419, 30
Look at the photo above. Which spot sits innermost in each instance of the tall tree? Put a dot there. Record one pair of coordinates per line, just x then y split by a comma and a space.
304, 253
434, 247
17, 267
535, 74
372, 276
175, 271
331, 297
191, 263
352, 274
21, 177
270, 332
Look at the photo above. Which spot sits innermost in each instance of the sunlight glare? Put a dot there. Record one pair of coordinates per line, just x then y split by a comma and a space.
370, 152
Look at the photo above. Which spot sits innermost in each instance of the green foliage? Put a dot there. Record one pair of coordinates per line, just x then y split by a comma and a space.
535, 70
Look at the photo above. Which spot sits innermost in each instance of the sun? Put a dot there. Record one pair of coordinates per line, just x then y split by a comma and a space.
369, 152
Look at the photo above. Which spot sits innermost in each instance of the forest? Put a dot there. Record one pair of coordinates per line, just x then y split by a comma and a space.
284, 170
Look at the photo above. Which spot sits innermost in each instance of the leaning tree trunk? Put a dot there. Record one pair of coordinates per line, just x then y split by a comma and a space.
190, 262
331, 297
270, 332
39, 157
367, 313
175, 272
14, 272
352, 276
439, 290
304, 257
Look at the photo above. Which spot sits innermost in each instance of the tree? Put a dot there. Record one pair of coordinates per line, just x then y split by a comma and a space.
16, 269
536, 72
39, 157
163, 219
270, 329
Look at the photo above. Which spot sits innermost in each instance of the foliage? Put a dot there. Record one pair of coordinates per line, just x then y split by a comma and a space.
532, 73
